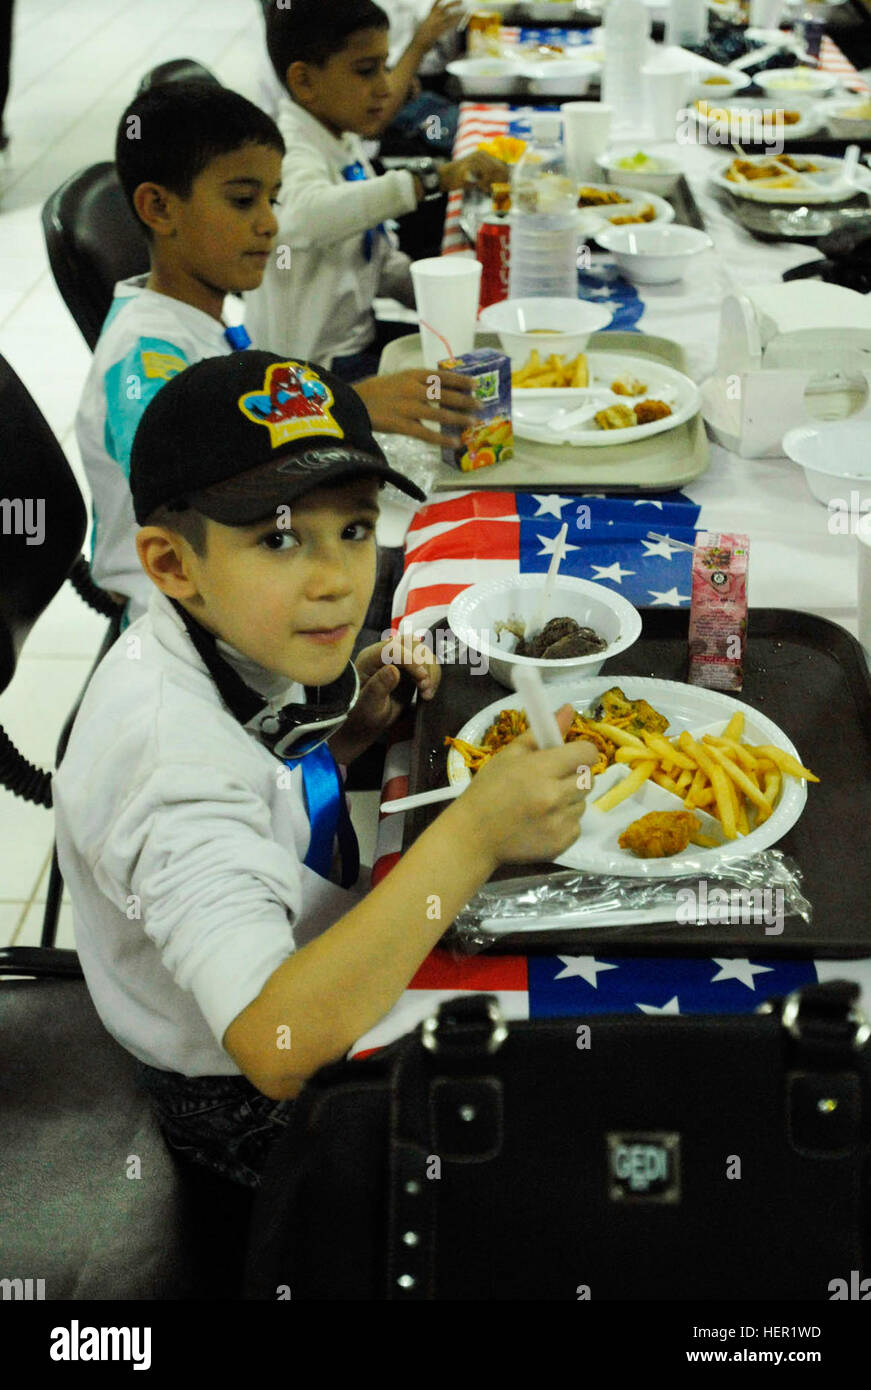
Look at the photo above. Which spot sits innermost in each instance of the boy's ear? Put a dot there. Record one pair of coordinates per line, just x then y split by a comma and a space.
298, 81
152, 204
166, 558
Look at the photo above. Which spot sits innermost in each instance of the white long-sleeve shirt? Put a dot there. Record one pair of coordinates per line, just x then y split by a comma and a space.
182, 841
146, 340
318, 290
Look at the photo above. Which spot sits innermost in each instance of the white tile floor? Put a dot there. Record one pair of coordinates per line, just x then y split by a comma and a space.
74, 68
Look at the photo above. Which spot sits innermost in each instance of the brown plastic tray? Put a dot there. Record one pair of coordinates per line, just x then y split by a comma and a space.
811, 678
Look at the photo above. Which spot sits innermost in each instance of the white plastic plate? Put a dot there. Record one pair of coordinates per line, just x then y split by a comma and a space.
686, 707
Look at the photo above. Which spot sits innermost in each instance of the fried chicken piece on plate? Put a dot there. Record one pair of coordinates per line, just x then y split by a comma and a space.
660, 834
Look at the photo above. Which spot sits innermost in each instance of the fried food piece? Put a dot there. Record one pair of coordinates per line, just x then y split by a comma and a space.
616, 417
511, 723
599, 197
801, 166
634, 716
628, 386
647, 214
648, 411
660, 834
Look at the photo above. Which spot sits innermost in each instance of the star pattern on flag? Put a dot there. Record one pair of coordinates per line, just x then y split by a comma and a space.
586, 967
548, 545
670, 1008
551, 505
662, 548
738, 970
668, 597
614, 572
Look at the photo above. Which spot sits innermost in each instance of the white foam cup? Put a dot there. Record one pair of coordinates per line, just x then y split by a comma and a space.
447, 290
587, 130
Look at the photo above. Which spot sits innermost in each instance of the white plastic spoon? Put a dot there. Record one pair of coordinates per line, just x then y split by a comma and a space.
409, 803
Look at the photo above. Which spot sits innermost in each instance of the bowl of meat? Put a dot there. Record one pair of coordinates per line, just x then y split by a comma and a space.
582, 625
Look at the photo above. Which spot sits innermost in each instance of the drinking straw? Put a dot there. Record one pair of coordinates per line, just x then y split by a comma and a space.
681, 545
436, 334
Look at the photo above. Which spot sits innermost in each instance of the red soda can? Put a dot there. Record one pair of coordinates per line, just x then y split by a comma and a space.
494, 253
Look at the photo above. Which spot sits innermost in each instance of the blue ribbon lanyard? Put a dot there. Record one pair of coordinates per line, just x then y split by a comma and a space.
237, 337
355, 173
328, 815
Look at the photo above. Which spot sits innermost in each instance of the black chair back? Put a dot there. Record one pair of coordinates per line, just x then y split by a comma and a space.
176, 70
93, 241
43, 519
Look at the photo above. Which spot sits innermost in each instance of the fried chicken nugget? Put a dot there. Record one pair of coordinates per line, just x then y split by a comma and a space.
660, 834
648, 411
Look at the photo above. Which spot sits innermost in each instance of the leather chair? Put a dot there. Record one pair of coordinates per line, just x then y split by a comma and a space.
91, 1199
93, 241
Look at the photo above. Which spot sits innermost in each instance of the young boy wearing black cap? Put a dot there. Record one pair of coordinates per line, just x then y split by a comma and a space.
199, 806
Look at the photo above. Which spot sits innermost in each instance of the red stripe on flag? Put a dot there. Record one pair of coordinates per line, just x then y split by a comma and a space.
442, 970
431, 596
381, 868
394, 788
464, 508
473, 540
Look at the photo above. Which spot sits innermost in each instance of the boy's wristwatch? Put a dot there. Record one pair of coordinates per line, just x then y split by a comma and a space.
428, 173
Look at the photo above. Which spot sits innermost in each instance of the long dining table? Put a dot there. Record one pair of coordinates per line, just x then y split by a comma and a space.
798, 562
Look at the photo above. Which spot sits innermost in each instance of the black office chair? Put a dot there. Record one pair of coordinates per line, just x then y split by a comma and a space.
34, 473
93, 241
73, 1210
176, 70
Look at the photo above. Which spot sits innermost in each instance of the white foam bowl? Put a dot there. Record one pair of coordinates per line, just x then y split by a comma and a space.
845, 127
662, 180
783, 83
572, 321
473, 614
835, 456
560, 76
654, 255
717, 91
487, 76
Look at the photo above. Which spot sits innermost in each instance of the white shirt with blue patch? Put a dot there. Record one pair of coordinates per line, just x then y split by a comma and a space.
147, 339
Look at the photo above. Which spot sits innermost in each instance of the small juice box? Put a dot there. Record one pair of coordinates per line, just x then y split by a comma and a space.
491, 438
718, 611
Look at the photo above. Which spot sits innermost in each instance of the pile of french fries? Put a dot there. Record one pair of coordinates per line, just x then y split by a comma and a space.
736, 782
555, 371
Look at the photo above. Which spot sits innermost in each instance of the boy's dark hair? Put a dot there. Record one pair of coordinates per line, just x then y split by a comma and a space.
312, 31
189, 523
169, 134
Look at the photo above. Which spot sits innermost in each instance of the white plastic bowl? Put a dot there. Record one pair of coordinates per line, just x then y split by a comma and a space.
661, 180
796, 82
717, 91
845, 127
560, 76
573, 320
836, 458
487, 76
473, 614
654, 255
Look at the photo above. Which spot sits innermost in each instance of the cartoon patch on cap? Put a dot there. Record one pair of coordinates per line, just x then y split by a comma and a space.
294, 404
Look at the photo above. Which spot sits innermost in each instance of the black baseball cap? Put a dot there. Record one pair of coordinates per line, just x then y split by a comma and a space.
236, 437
